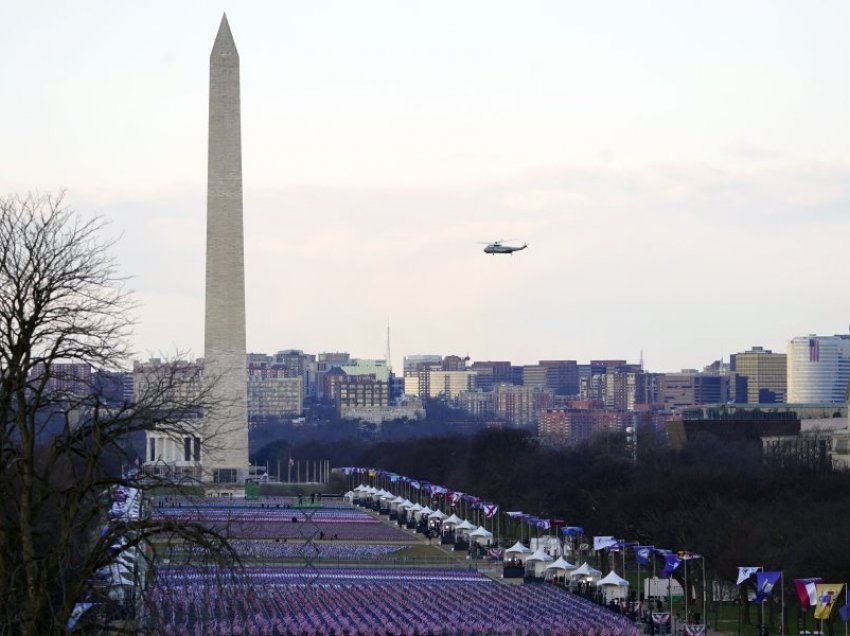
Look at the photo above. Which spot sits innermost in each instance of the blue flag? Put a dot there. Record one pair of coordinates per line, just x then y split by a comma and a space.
671, 562
765, 582
642, 554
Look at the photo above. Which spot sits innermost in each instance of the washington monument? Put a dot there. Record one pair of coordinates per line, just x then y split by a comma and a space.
226, 427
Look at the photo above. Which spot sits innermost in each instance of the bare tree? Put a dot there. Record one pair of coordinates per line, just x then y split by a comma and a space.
62, 302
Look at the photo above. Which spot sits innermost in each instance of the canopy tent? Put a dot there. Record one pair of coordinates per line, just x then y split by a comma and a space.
481, 535
561, 564
539, 555
612, 578
423, 512
453, 520
518, 548
614, 586
349, 495
585, 570
465, 526
517, 552
558, 569
536, 562
437, 515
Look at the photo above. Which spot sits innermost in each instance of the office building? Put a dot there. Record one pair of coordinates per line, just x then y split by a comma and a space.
520, 405
818, 369
766, 373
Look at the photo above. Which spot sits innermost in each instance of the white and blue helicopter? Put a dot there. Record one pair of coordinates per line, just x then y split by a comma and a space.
499, 247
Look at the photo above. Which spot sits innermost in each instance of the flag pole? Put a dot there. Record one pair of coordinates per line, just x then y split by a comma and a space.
704, 598
782, 593
670, 595
637, 562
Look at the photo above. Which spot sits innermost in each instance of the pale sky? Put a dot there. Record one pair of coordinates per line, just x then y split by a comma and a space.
680, 170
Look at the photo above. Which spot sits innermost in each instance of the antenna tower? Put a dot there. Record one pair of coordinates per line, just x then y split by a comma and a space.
389, 359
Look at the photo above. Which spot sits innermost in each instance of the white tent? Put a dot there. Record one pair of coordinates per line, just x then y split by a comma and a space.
561, 564
439, 515
517, 552
518, 548
423, 512
453, 520
536, 562
558, 568
586, 571
614, 586
349, 495
415, 508
539, 555
465, 526
481, 535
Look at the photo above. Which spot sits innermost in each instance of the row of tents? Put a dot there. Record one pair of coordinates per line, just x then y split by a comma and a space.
537, 563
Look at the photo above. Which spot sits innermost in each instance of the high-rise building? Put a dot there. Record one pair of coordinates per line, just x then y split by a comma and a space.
818, 369
454, 363
417, 369
766, 374
299, 364
365, 366
569, 426
448, 384
273, 393
520, 405
65, 378
413, 362
477, 402
325, 363
491, 373
361, 390
225, 426
562, 376
679, 390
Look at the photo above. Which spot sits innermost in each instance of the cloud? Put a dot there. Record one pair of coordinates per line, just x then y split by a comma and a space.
617, 260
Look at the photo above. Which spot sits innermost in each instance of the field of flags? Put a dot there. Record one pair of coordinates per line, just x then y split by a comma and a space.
271, 597
330, 567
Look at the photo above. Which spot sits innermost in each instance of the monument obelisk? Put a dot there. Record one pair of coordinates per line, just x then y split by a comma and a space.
226, 423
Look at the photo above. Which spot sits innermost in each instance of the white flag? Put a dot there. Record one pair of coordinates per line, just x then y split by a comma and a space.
746, 572
600, 543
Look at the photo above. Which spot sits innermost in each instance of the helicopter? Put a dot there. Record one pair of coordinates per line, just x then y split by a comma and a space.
498, 247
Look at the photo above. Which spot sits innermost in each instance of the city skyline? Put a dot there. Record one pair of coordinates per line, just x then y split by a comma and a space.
680, 174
